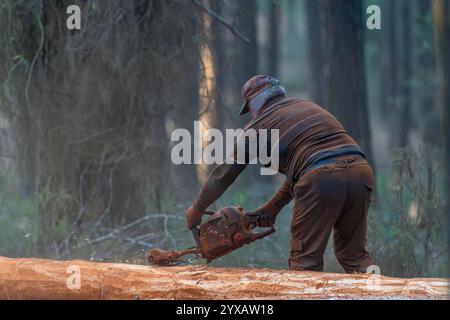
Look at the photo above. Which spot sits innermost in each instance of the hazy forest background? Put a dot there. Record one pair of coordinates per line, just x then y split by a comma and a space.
86, 118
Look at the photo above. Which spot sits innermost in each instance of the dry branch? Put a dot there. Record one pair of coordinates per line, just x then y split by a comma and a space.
47, 279
222, 21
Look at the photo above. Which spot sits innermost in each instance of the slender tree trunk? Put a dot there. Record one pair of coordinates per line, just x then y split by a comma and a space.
390, 73
344, 68
315, 48
219, 51
405, 109
245, 57
186, 113
274, 38
441, 18
244, 65
292, 7
424, 66
26, 144
184, 117
389, 49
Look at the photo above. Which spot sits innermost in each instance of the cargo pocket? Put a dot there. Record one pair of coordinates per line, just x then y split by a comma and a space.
296, 250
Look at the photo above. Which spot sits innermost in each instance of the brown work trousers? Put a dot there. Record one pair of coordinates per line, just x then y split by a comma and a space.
334, 196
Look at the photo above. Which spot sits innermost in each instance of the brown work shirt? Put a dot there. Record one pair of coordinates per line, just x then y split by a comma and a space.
307, 135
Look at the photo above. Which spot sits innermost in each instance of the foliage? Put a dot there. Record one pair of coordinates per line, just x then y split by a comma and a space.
407, 223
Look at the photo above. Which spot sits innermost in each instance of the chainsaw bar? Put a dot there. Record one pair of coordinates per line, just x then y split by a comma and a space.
170, 257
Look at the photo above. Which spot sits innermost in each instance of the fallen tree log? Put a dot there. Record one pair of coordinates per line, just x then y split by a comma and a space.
76, 279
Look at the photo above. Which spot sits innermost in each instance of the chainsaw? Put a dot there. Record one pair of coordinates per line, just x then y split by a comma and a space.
226, 230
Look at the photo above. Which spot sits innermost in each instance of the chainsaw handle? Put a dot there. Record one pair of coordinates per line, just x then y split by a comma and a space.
251, 215
252, 218
257, 236
196, 233
196, 229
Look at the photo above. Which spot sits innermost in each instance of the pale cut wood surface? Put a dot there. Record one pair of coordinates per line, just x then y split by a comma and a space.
47, 279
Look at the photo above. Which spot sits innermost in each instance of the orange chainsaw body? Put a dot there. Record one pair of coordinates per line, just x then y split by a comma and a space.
226, 230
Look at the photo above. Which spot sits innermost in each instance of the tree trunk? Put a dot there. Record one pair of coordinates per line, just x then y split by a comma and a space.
274, 39
184, 114
244, 65
245, 56
48, 279
99, 105
344, 68
218, 46
441, 18
425, 69
292, 7
388, 49
405, 109
316, 70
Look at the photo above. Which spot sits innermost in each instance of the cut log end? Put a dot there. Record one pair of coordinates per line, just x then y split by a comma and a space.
76, 279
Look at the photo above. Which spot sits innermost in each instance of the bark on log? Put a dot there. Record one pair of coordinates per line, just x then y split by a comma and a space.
47, 279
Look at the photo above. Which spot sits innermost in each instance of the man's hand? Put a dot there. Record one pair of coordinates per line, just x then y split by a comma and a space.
266, 215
